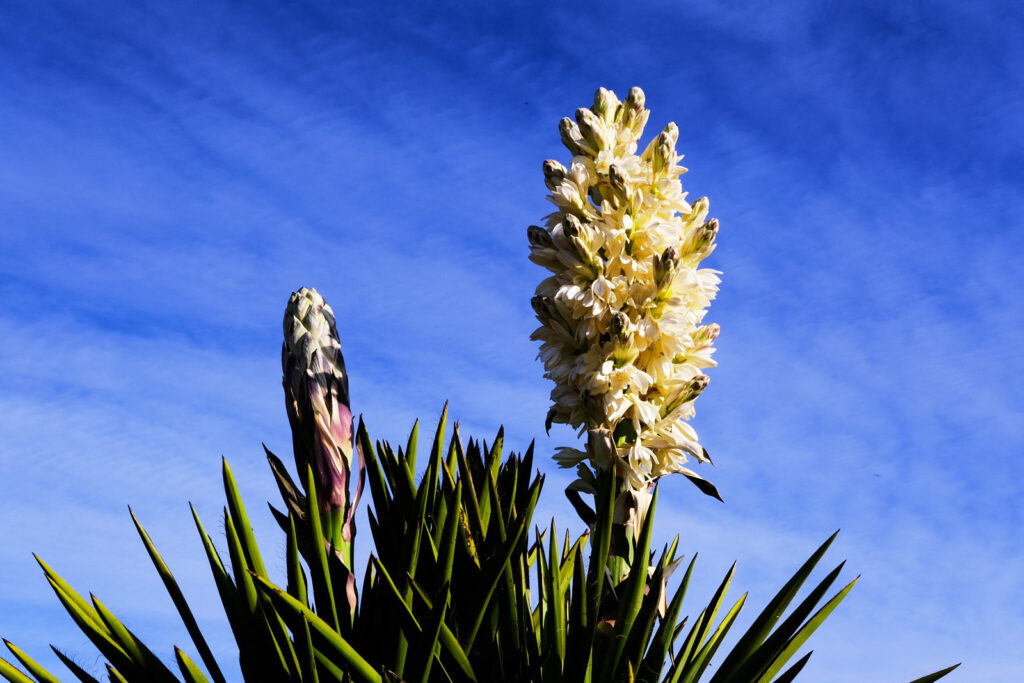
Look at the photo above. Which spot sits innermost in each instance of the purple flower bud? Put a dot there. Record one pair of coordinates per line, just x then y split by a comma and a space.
316, 396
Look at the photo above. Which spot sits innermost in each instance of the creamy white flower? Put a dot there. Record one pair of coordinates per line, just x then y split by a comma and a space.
621, 315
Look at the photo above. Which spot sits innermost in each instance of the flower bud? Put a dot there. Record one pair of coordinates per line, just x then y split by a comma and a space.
553, 173
632, 109
685, 393
698, 211
571, 136
539, 238
316, 396
699, 242
620, 188
592, 128
666, 138
665, 267
671, 133
664, 150
549, 316
605, 105
703, 336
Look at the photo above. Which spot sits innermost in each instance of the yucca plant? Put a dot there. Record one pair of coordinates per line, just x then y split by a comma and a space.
456, 589
455, 592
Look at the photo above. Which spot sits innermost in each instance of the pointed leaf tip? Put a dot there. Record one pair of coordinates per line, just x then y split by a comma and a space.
937, 675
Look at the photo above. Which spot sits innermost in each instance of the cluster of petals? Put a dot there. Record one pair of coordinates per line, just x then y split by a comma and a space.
622, 333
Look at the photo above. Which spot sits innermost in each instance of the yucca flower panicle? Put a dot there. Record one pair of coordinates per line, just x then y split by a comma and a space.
622, 332
317, 401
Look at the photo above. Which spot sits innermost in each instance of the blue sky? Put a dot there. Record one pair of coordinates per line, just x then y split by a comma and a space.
169, 175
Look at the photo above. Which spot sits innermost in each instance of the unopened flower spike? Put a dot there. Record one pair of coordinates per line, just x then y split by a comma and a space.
317, 400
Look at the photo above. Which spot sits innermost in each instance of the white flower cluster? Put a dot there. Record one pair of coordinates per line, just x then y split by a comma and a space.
621, 313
